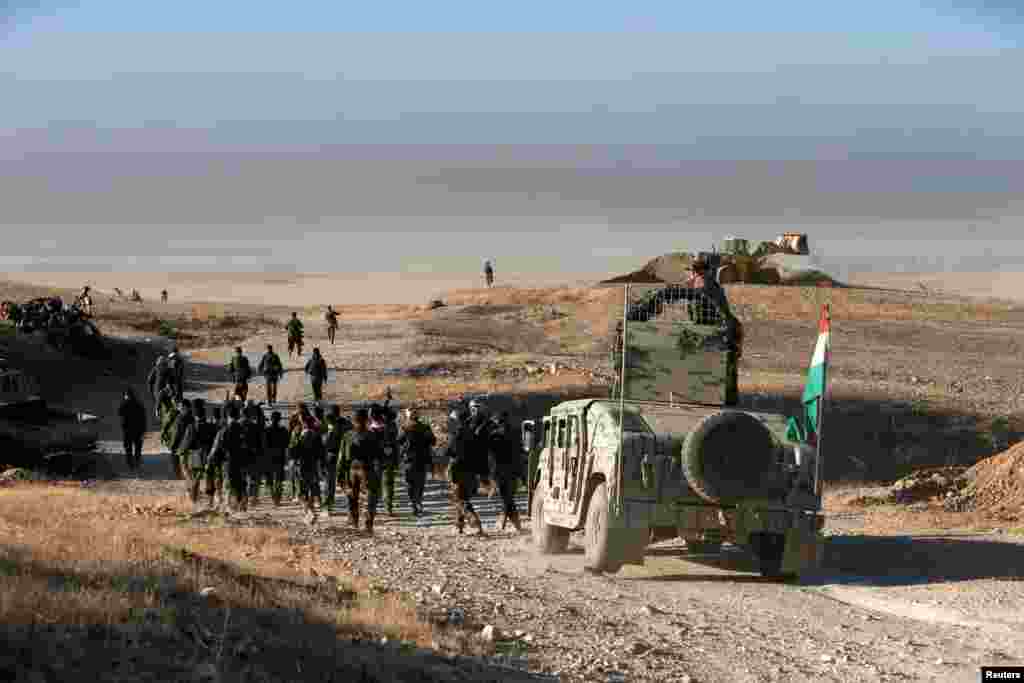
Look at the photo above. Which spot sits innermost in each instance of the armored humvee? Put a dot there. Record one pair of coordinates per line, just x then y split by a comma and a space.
669, 455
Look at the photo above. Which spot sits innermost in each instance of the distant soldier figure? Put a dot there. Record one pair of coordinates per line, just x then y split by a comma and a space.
176, 366
464, 469
508, 468
337, 426
136, 297
311, 459
416, 442
133, 427
316, 368
364, 451
84, 301
488, 272
163, 296
331, 316
271, 368
294, 329
240, 371
277, 449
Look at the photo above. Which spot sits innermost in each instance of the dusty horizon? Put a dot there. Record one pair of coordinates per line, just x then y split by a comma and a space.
302, 289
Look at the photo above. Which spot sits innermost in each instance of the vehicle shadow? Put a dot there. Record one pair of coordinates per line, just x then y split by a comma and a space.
874, 561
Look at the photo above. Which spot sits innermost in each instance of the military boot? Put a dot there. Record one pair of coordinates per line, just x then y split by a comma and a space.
502, 521
369, 524
478, 524
516, 523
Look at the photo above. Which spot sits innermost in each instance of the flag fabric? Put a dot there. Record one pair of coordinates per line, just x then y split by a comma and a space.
807, 429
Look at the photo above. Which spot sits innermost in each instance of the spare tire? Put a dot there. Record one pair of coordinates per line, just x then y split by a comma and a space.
731, 456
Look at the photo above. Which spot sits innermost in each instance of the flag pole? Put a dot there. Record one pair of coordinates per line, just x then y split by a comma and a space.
826, 315
622, 401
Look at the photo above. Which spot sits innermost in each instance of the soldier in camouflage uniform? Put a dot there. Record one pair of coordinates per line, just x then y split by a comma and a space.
241, 372
184, 439
311, 462
277, 449
415, 443
466, 461
382, 424
508, 468
235, 460
169, 411
215, 464
294, 329
364, 451
336, 428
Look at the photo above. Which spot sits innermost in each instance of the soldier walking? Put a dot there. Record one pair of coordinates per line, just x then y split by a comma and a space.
176, 365
311, 461
133, 427
235, 459
331, 316
259, 468
508, 468
337, 426
241, 372
159, 377
416, 443
169, 412
294, 329
271, 368
277, 449
316, 368
215, 460
295, 423
199, 463
382, 424
463, 471
364, 451
183, 442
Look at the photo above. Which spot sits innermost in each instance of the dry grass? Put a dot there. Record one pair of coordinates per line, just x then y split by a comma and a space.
72, 557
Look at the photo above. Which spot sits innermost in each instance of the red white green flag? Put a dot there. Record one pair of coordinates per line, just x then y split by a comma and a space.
808, 428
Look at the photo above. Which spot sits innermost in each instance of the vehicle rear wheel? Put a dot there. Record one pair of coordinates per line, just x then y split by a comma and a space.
599, 555
547, 538
769, 550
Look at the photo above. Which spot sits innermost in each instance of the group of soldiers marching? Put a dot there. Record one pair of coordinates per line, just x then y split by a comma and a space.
232, 454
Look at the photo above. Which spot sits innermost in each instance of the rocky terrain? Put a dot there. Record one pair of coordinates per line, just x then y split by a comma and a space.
912, 587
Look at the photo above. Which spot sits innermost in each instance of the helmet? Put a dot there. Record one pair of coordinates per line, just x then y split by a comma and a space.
699, 264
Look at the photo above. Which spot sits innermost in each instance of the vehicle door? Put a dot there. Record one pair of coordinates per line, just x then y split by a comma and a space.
576, 461
556, 460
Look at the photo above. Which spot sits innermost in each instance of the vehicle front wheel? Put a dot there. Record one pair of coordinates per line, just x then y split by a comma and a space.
599, 553
547, 538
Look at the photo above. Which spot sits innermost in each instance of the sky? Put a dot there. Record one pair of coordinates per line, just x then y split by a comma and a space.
584, 137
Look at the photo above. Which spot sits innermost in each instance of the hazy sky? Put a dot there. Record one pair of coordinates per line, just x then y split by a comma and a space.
589, 136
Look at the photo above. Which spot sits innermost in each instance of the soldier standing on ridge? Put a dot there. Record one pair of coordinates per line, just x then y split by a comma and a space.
277, 448
294, 329
163, 296
331, 316
416, 443
488, 272
240, 371
316, 368
271, 368
133, 427
363, 450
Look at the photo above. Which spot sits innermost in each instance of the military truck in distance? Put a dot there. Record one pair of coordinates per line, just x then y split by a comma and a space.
667, 456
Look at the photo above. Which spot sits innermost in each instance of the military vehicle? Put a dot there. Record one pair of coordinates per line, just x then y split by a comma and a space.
666, 455
31, 430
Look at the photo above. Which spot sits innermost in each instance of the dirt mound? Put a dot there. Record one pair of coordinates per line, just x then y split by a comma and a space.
994, 485
771, 270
